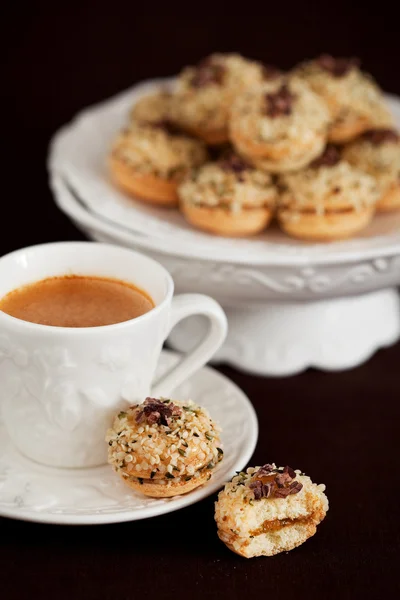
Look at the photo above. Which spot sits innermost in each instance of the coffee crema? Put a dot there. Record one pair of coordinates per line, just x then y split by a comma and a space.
77, 301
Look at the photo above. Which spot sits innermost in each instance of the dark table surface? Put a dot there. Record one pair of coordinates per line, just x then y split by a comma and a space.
341, 428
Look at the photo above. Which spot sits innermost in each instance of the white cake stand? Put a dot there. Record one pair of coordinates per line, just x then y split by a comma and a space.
282, 318
290, 305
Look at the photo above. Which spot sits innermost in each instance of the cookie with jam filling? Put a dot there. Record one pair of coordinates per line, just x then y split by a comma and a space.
267, 510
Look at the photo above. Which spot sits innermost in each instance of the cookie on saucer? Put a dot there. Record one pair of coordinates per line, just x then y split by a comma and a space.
228, 197
149, 161
377, 152
164, 448
329, 200
205, 93
354, 99
267, 510
279, 126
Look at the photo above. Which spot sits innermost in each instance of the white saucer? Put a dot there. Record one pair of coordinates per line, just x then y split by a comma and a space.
32, 492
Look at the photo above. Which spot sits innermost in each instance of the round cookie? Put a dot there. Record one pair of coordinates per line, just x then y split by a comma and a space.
355, 101
267, 510
377, 152
205, 93
279, 126
329, 200
149, 161
152, 108
228, 197
163, 448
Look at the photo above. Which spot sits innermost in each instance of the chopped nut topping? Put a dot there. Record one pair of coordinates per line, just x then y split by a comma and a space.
279, 103
295, 487
261, 490
282, 478
234, 163
265, 470
379, 136
337, 66
290, 471
280, 483
329, 158
208, 72
156, 411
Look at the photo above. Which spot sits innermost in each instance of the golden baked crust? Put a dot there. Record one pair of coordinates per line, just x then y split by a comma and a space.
162, 447
205, 93
330, 226
145, 186
221, 221
162, 488
251, 525
390, 200
279, 141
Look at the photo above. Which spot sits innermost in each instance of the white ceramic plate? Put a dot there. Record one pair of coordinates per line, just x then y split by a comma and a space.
79, 152
32, 492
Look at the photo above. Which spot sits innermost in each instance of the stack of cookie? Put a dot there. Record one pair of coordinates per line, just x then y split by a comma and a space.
237, 143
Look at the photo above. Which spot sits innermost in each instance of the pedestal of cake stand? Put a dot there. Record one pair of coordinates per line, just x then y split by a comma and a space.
284, 338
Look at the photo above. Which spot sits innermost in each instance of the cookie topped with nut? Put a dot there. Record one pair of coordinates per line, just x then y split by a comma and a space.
329, 200
354, 99
269, 509
329, 183
158, 149
280, 125
205, 93
377, 152
228, 197
231, 182
164, 447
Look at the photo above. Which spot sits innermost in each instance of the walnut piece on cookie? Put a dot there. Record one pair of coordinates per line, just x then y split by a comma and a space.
164, 448
377, 152
267, 510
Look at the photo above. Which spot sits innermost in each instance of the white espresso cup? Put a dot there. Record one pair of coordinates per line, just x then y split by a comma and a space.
61, 386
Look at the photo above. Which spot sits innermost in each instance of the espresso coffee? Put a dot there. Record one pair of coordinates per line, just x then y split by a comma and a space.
77, 301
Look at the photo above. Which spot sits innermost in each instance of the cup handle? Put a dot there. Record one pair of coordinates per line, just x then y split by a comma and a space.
186, 305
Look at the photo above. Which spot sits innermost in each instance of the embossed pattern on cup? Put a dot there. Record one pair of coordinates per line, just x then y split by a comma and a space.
62, 386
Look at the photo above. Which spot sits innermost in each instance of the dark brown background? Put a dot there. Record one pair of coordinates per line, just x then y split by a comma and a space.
341, 428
